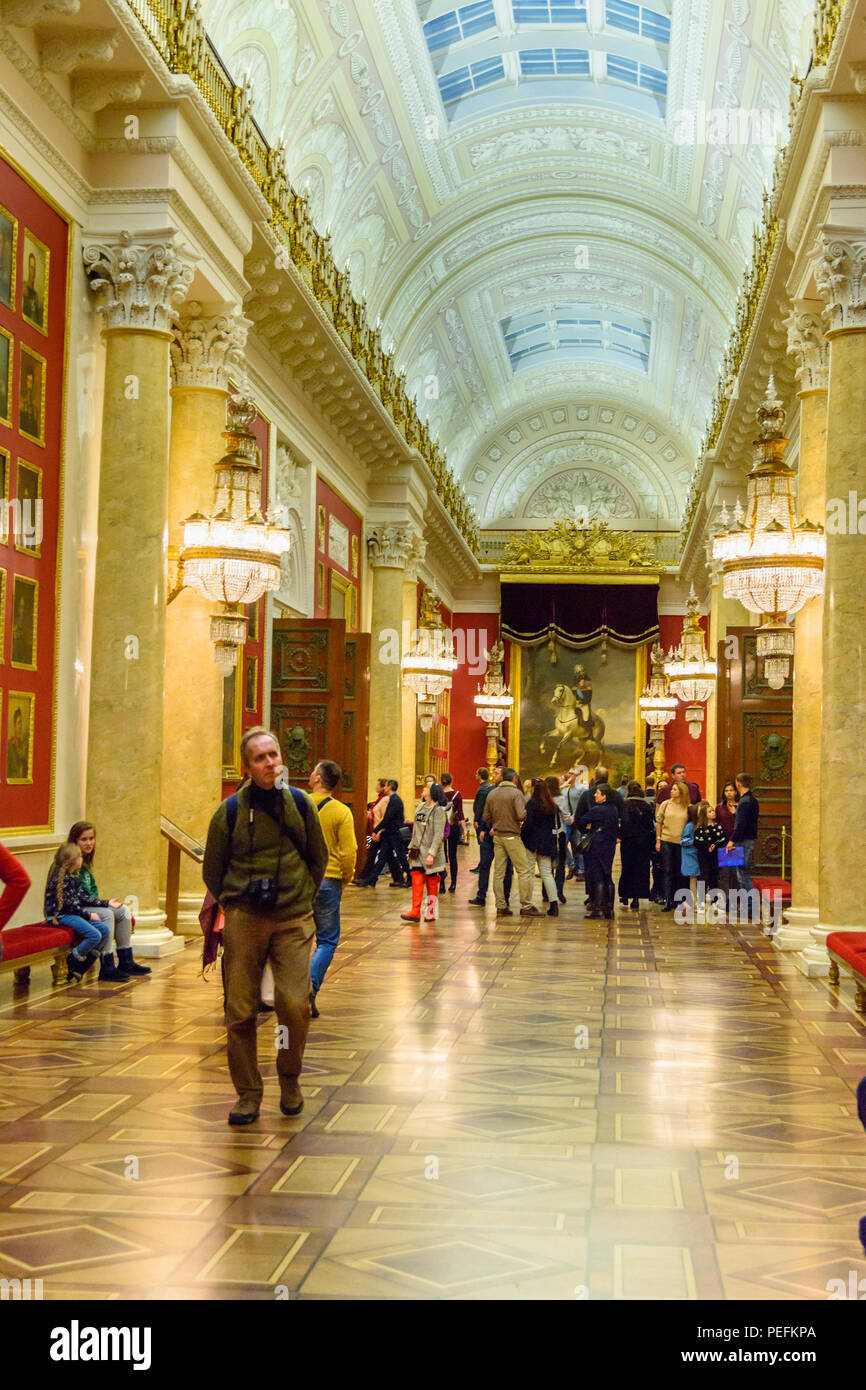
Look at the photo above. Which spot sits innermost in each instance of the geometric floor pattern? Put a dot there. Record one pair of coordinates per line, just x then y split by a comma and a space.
542, 1109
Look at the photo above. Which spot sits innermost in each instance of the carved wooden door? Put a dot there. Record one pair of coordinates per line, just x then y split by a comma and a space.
755, 735
320, 703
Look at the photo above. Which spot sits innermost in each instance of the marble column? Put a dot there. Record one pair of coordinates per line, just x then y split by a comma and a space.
139, 279
205, 349
808, 347
390, 548
840, 275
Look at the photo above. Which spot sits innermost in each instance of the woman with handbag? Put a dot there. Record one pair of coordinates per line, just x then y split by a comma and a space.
726, 814
671, 817
539, 836
427, 852
563, 836
599, 834
637, 841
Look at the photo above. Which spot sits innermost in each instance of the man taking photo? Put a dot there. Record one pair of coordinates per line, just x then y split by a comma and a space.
264, 861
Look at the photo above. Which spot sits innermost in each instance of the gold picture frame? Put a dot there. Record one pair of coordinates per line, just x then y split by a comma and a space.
29, 494
25, 623
251, 687
2, 614
5, 489
8, 257
338, 595
232, 721
32, 249
7, 355
321, 524
28, 357
352, 619
19, 745
320, 585
354, 548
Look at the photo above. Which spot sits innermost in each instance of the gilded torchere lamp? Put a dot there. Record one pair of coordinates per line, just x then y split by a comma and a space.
494, 701
428, 667
690, 671
658, 706
771, 560
232, 556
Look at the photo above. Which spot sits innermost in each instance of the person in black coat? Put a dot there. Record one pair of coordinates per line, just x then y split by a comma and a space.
604, 820
637, 842
539, 836
392, 850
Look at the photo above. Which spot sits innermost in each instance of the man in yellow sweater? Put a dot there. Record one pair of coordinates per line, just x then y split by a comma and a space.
339, 831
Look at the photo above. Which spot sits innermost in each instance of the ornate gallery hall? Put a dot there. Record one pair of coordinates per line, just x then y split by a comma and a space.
432, 651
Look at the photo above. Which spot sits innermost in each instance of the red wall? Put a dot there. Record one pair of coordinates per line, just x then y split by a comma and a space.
333, 505
25, 803
468, 749
680, 747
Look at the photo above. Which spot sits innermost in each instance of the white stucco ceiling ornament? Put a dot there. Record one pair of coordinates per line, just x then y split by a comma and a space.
563, 495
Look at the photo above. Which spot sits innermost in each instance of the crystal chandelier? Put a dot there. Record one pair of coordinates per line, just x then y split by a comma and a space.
233, 555
657, 705
771, 561
428, 666
494, 701
691, 673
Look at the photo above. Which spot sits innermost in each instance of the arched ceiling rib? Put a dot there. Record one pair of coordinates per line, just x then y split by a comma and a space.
543, 204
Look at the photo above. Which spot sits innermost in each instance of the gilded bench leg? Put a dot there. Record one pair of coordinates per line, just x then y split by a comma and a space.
56, 968
860, 998
22, 977
834, 972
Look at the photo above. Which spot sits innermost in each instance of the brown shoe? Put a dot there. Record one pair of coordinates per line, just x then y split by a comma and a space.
291, 1102
244, 1113
504, 912
529, 911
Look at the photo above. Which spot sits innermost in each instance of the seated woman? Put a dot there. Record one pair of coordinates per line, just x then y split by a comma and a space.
68, 905
113, 913
603, 822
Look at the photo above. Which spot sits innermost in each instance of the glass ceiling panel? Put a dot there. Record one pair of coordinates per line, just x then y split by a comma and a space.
577, 333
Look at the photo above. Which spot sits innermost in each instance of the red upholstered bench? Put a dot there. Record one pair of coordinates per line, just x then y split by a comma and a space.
849, 948
774, 885
38, 942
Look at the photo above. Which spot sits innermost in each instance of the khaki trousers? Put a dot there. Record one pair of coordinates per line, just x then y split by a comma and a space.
511, 847
248, 942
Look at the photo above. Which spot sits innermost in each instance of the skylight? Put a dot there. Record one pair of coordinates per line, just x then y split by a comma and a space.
460, 24
549, 12
461, 82
577, 333
641, 75
638, 20
555, 62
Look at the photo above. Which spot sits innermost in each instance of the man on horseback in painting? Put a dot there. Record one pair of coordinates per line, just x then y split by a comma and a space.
582, 691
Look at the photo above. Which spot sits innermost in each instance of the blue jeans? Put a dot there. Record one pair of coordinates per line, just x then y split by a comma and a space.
326, 915
744, 870
91, 934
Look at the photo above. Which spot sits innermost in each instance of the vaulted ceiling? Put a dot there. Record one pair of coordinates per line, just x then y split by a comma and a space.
548, 203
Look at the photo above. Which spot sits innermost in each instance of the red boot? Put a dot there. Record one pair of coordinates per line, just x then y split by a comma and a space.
414, 914
433, 882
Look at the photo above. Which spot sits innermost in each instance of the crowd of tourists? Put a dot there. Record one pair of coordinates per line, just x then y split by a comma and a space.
277, 860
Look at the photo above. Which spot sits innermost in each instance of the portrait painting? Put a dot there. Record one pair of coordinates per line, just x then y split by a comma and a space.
5, 485
8, 249
34, 282
24, 616
28, 495
576, 709
31, 395
6, 352
251, 683
19, 738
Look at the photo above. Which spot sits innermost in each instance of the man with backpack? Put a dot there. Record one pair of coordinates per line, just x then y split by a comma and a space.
264, 861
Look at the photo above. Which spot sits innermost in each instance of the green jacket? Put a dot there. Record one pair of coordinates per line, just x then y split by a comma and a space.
89, 881
297, 849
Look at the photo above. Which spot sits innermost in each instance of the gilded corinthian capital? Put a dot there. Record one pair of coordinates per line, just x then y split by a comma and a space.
807, 344
206, 349
141, 278
840, 275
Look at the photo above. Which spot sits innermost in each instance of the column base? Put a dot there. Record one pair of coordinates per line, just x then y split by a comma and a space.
813, 960
795, 929
188, 908
151, 937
